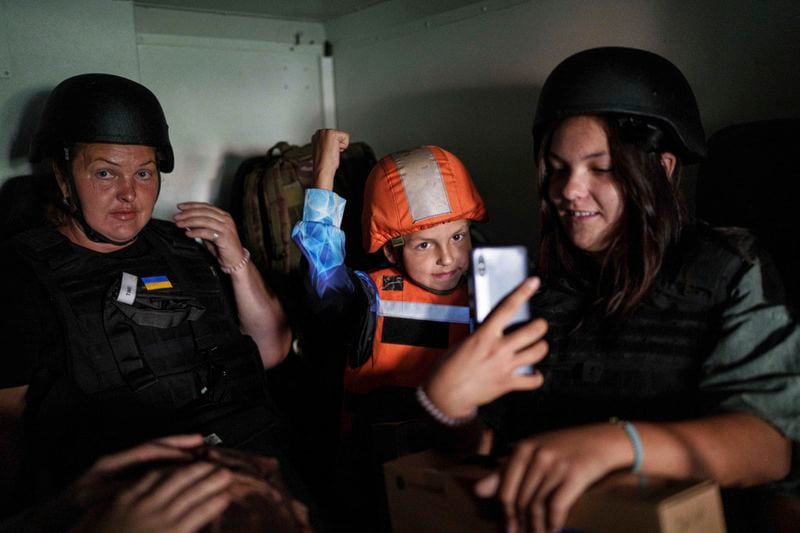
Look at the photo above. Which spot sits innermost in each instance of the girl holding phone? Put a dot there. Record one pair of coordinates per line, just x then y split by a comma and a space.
675, 331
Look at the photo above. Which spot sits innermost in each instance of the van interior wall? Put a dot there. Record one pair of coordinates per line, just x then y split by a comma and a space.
469, 79
233, 86
43, 42
466, 79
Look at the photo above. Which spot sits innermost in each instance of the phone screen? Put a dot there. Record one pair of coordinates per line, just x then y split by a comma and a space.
496, 271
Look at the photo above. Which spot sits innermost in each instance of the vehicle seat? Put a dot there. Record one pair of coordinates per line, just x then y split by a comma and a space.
751, 179
24, 202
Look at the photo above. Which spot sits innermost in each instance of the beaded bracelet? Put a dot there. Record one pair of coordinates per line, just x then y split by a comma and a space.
240, 265
439, 416
636, 442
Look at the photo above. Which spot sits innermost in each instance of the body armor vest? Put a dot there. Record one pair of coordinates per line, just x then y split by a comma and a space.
414, 327
152, 349
644, 366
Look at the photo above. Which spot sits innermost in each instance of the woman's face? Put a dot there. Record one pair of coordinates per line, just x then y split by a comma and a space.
117, 185
581, 182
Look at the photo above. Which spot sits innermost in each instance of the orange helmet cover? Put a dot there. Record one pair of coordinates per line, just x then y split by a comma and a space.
415, 189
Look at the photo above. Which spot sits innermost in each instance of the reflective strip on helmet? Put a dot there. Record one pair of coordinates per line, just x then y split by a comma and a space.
423, 184
457, 314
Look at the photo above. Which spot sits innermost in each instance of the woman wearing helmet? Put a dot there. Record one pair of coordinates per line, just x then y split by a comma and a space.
677, 332
124, 327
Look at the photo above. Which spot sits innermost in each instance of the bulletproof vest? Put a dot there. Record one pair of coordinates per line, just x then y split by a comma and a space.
414, 327
643, 366
153, 348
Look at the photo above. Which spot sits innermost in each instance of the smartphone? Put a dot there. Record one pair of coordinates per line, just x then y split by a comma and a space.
496, 271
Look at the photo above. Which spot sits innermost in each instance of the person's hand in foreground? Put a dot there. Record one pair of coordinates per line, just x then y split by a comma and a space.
182, 499
485, 366
547, 473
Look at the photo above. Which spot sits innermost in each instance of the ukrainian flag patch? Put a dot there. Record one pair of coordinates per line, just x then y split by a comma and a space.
154, 283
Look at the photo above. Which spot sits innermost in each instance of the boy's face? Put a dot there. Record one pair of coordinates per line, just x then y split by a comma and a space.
436, 257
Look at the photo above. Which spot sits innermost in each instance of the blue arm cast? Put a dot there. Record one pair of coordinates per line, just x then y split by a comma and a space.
321, 241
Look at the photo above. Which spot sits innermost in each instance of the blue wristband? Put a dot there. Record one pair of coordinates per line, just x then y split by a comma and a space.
636, 441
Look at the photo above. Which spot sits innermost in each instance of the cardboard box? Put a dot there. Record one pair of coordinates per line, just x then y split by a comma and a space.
428, 491
432, 492
625, 503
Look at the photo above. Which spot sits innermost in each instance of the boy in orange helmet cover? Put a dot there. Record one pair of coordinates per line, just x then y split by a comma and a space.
397, 321
418, 205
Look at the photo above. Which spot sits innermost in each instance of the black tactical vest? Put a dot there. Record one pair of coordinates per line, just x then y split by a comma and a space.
645, 366
168, 359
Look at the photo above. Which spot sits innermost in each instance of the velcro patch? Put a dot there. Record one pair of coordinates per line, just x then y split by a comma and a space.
409, 332
392, 283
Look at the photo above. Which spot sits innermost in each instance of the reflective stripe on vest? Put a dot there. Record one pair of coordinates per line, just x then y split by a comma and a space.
422, 311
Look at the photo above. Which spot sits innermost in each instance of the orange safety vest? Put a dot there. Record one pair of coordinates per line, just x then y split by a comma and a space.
414, 328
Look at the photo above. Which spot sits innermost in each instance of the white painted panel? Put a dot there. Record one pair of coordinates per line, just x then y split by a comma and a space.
228, 26
48, 41
5, 58
328, 92
227, 100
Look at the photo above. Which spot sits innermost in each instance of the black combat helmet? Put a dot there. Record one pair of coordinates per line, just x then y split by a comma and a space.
102, 108
99, 108
626, 82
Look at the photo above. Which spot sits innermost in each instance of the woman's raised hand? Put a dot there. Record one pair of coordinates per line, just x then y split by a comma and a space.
215, 227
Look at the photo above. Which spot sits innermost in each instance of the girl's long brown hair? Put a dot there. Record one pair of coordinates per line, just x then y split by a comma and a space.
651, 222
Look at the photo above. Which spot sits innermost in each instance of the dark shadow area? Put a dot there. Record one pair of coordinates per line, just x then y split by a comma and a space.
24, 202
31, 112
227, 196
751, 180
